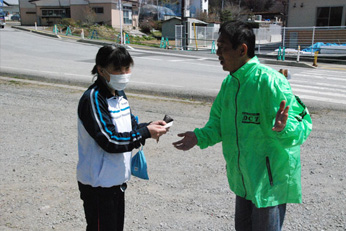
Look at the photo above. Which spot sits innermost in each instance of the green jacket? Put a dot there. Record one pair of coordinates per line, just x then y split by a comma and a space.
262, 165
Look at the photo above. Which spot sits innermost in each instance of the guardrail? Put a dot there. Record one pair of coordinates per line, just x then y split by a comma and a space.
330, 42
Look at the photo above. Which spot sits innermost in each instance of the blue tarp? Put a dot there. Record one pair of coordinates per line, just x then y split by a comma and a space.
317, 46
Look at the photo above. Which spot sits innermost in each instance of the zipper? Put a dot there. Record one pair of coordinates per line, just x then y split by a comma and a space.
269, 171
236, 130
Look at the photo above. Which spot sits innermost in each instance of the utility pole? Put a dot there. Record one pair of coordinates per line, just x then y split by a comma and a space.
158, 10
285, 3
183, 22
121, 22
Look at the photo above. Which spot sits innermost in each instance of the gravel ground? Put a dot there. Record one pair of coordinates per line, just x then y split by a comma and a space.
186, 190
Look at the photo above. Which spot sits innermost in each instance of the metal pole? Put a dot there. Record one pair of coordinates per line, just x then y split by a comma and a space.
284, 37
157, 7
313, 40
194, 28
183, 23
20, 13
139, 10
121, 22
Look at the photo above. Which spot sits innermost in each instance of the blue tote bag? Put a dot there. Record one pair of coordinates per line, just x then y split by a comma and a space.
139, 165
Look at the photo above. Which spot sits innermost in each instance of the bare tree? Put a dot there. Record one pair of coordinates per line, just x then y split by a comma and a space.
258, 5
90, 15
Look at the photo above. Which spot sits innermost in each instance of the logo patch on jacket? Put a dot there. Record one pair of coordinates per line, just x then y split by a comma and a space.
251, 118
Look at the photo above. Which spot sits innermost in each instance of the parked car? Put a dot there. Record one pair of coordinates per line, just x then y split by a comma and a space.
2, 21
15, 17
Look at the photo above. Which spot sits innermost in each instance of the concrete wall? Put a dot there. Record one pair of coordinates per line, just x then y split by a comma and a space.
79, 12
116, 17
27, 13
305, 16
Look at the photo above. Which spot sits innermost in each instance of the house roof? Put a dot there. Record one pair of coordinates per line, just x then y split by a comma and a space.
51, 2
11, 2
191, 20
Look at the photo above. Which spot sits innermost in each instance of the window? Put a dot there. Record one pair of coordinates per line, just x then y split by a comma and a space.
329, 16
54, 12
98, 10
127, 12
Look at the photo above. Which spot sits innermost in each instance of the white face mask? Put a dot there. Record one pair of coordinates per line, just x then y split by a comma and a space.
118, 82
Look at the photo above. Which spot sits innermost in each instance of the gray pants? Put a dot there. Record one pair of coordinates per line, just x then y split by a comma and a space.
250, 218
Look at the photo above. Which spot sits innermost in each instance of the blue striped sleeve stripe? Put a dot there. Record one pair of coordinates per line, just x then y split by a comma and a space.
102, 124
117, 111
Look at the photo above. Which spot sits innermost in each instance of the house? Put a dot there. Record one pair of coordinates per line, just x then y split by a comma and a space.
108, 12
308, 13
198, 6
168, 26
315, 22
9, 8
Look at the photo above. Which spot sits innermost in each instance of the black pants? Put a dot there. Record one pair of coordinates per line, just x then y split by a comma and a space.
104, 207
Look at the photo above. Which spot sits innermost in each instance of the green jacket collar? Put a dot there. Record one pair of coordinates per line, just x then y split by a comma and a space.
243, 72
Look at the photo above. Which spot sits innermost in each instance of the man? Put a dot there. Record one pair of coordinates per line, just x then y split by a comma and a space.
261, 125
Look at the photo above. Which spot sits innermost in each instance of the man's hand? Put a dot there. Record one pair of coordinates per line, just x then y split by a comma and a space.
188, 142
281, 117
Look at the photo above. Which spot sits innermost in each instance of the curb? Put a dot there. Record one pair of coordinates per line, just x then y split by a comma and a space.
286, 63
36, 31
46, 34
191, 95
99, 42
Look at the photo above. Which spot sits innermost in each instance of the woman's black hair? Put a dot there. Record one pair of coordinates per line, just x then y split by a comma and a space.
239, 32
115, 55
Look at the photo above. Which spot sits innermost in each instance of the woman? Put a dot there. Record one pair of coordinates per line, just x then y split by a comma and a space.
107, 133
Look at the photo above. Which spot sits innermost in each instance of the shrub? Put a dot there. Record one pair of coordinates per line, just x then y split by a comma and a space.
68, 22
148, 24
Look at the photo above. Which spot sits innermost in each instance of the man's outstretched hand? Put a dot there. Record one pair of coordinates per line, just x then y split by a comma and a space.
281, 117
188, 142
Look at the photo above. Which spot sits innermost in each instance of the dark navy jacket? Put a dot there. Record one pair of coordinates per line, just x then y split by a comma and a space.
107, 133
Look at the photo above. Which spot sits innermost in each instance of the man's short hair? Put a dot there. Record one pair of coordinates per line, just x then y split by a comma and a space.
239, 32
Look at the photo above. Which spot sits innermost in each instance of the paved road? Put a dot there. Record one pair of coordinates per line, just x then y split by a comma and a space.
322, 85
196, 75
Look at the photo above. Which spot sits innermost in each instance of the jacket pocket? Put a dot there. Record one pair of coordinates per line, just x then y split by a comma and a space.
269, 171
